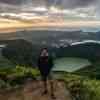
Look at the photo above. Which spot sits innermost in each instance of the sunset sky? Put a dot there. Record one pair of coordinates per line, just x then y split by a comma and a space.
44, 13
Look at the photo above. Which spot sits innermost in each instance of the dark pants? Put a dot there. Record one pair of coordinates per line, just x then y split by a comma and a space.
44, 79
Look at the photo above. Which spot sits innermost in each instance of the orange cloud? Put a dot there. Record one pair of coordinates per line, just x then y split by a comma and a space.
7, 25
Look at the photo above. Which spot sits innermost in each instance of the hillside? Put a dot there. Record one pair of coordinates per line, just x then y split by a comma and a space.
52, 36
90, 71
86, 49
89, 50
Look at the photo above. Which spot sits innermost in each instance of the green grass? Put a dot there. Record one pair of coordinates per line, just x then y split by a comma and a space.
90, 71
82, 88
10, 77
5, 63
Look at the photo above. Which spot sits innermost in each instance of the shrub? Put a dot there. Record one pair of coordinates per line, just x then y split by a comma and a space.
81, 88
17, 75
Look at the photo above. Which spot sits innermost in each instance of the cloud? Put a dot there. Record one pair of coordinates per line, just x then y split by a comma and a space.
24, 2
87, 13
98, 9
77, 9
60, 3
67, 4
72, 3
69, 9
11, 1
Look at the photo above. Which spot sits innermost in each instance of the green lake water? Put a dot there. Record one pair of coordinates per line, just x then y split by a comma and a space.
69, 64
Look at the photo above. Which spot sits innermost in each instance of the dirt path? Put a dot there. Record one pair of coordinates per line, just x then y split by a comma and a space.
32, 91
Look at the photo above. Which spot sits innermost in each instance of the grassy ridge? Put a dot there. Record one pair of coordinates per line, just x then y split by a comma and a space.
11, 77
82, 88
90, 71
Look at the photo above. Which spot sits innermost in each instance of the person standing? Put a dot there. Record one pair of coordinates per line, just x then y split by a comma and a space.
45, 64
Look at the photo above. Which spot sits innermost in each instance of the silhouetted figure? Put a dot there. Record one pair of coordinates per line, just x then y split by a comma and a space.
45, 64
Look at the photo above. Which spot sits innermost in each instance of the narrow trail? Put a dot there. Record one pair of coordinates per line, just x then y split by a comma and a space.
32, 91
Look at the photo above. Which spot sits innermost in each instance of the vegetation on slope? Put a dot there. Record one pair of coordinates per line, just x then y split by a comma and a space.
90, 71
11, 77
82, 88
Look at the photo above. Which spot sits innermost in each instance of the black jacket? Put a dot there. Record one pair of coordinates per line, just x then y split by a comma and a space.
45, 64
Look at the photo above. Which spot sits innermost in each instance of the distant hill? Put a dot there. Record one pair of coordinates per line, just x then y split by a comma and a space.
55, 36
85, 49
51, 36
7, 36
